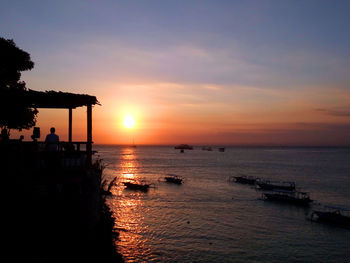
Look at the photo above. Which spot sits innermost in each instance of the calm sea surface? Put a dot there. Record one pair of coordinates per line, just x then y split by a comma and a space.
208, 219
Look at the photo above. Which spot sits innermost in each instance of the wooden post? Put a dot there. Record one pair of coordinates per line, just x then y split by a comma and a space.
89, 135
70, 114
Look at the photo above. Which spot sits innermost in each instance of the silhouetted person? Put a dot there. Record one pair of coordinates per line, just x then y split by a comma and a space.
4, 135
52, 141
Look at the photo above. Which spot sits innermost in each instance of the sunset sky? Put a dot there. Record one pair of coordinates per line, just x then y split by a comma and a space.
197, 72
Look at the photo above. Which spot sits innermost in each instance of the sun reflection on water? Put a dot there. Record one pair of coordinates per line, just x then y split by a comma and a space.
128, 210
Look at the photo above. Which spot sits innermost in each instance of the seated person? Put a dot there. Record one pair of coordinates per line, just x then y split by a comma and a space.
52, 141
5, 135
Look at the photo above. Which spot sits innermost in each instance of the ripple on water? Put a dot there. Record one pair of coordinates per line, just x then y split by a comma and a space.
210, 220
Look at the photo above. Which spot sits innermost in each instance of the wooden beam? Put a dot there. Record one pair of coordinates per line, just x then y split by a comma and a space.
89, 135
70, 117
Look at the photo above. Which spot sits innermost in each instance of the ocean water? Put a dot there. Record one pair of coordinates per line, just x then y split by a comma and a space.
208, 219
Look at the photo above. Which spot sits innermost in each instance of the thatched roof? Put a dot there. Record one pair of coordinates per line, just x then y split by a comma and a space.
47, 99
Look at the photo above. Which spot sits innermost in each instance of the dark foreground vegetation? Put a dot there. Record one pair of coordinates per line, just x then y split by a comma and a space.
57, 223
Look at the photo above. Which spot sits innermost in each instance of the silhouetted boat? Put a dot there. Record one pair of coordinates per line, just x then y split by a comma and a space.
183, 147
296, 198
332, 215
207, 148
244, 179
137, 186
172, 178
221, 149
271, 186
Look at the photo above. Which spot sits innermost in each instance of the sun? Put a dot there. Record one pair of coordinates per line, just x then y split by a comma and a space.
129, 121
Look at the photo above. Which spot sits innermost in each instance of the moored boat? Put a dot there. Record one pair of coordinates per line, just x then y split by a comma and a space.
332, 215
173, 178
207, 148
291, 197
244, 179
272, 186
137, 186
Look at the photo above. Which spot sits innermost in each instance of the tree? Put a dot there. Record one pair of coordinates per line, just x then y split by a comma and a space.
15, 113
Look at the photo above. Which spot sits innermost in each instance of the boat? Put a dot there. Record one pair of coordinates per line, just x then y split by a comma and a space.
137, 186
271, 186
292, 197
244, 179
183, 147
221, 149
173, 178
332, 215
207, 148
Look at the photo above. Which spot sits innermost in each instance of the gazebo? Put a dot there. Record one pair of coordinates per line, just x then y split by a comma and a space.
58, 100
53, 197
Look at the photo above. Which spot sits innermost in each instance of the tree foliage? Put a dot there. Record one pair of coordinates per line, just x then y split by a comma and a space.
14, 113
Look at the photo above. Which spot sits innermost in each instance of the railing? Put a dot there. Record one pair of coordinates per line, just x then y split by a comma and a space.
70, 155
64, 146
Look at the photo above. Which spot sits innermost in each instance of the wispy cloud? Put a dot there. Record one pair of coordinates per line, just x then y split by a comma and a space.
338, 112
118, 59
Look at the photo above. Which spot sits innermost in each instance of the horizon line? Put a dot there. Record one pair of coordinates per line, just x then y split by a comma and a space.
227, 145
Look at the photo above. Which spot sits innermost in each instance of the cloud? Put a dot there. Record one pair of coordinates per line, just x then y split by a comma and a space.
190, 61
317, 134
338, 112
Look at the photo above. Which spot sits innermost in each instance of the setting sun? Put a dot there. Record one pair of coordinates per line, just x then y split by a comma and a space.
129, 121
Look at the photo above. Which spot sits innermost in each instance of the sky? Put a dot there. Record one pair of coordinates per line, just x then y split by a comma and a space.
198, 72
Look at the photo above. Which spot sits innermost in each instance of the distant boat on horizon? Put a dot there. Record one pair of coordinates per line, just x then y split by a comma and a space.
207, 148
183, 147
133, 143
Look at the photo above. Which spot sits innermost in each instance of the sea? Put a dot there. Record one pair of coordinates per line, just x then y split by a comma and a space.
210, 219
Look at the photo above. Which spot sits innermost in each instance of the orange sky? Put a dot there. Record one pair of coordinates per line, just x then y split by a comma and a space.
218, 72
201, 114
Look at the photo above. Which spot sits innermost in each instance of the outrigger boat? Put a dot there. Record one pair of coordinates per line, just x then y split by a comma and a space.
272, 186
173, 178
332, 215
292, 197
244, 179
137, 186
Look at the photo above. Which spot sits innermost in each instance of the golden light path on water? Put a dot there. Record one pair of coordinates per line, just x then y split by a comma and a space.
128, 210
208, 219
